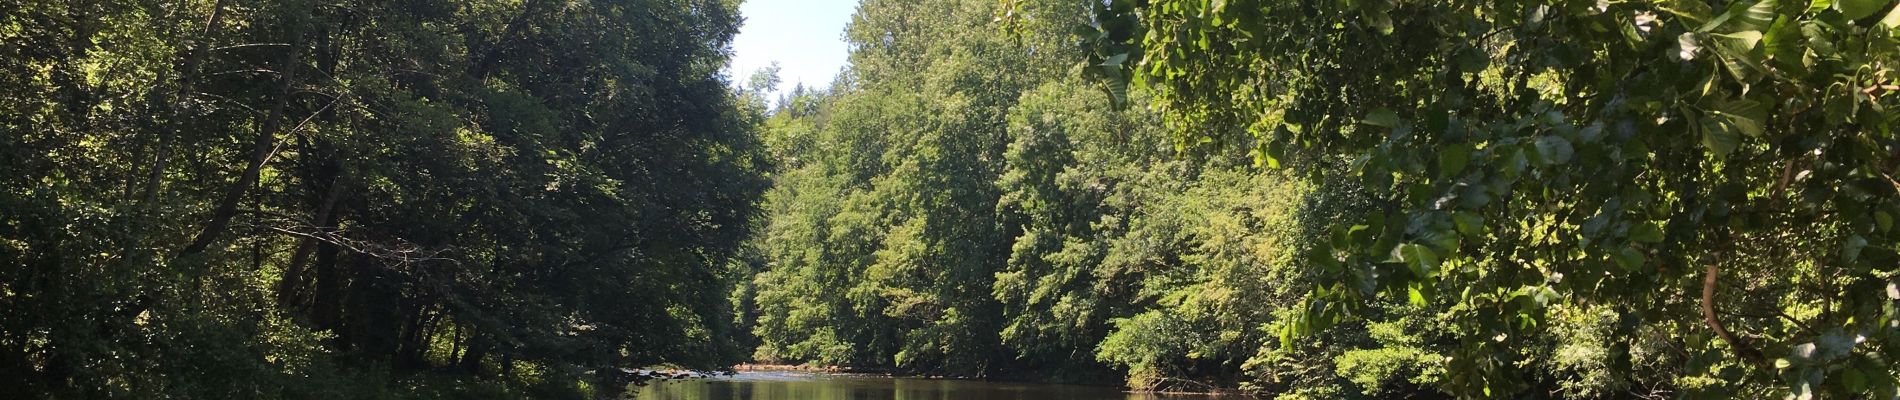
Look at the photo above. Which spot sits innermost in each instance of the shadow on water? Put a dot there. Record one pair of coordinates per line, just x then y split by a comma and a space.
818, 386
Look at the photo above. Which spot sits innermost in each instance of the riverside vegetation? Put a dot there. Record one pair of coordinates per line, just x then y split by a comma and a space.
364, 199
1295, 199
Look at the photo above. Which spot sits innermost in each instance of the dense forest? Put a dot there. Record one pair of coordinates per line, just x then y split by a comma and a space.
1291, 199
1344, 199
359, 199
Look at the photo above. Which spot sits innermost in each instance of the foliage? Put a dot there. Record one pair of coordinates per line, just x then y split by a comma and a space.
882, 233
958, 204
1649, 162
290, 199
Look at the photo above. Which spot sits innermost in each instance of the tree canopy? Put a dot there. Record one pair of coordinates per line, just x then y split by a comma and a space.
1713, 180
1356, 198
213, 199
1297, 200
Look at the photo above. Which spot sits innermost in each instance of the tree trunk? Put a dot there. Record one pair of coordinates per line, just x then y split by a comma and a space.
290, 290
326, 300
261, 147
471, 362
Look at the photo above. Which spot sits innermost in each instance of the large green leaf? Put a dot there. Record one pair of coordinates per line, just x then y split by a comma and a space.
1629, 258
1851, 248
1453, 158
1469, 224
1724, 122
1739, 55
1785, 46
1554, 150
1646, 232
1740, 43
1857, 9
1754, 17
1743, 115
1420, 259
1717, 137
1892, 20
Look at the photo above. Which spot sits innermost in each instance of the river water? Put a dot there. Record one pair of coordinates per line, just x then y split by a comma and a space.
819, 386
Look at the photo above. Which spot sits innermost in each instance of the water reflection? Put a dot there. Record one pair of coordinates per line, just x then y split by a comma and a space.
809, 386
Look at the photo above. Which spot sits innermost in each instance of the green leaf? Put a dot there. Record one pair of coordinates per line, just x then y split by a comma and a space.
1468, 224
1850, 248
1785, 46
1629, 258
1646, 232
1691, 11
1422, 260
1741, 41
1086, 31
1383, 22
1883, 220
1378, 15
1276, 149
1738, 55
1382, 117
1820, 5
1452, 159
1892, 20
1803, 352
1744, 115
1687, 45
1516, 161
1415, 293
1717, 137
1473, 60
1839, 106
1757, 16
1857, 9
1836, 343
1854, 380
1554, 150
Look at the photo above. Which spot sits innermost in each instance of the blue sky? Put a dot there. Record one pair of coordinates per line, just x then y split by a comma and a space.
806, 38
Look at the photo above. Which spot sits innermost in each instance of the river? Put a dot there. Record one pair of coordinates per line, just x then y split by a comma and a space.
822, 386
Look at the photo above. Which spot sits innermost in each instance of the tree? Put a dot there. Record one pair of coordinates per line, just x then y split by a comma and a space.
1662, 162
208, 199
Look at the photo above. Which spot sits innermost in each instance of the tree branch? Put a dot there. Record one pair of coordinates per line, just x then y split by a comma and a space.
1740, 347
262, 147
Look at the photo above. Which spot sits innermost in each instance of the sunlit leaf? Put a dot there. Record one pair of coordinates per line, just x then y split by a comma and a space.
1422, 260
1383, 117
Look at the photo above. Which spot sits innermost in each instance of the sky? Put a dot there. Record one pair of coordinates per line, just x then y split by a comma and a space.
806, 38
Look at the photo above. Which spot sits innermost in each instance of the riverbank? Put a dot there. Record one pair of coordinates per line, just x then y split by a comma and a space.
830, 369
782, 382
833, 369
